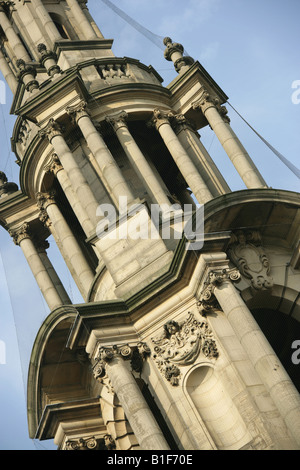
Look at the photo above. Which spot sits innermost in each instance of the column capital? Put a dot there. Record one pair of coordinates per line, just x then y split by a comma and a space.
136, 354
179, 122
51, 130
21, 233
43, 200
42, 246
118, 120
54, 165
159, 118
207, 100
207, 300
45, 219
78, 111
6, 5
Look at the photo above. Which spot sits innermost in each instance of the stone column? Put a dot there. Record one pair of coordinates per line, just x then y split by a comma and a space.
191, 142
161, 120
79, 183
46, 20
83, 4
137, 159
12, 37
111, 362
71, 248
55, 167
53, 292
41, 247
110, 173
8, 74
83, 23
260, 353
219, 122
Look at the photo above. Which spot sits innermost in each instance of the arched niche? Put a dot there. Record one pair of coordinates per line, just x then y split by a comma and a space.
216, 408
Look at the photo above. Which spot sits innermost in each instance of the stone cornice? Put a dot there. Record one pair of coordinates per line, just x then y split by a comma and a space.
56, 89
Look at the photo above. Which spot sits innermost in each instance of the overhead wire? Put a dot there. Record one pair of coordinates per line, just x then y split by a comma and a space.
284, 160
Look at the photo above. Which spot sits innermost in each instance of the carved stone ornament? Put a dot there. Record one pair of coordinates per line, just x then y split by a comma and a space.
6, 188
247, 253
78, 111
172, 48
51, 130
136, 354
207, 301
89, 443
207, 100
181, 344
21, 233
43, 200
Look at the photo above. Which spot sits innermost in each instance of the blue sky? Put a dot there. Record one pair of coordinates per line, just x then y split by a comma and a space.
251, 49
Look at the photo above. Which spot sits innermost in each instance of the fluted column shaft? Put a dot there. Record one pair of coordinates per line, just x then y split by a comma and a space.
66, 238
138, 160
84, 24
181, 158
79, 183
53, 292
230, 142
261, 354
110, 173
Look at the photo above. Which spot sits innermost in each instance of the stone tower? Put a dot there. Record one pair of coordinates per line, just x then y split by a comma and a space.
183, 340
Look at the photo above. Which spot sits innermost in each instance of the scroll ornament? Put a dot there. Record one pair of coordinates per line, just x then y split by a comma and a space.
247, 253
181, 344
136, 354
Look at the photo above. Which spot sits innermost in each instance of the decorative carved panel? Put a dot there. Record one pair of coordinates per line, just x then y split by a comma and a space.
181, 344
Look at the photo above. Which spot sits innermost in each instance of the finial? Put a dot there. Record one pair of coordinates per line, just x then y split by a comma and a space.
27, 75
174, 52
6, 188
48, 60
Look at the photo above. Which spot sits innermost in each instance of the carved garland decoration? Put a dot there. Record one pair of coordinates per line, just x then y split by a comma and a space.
181, 344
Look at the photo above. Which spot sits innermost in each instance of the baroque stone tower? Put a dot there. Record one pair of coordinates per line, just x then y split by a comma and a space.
184, 337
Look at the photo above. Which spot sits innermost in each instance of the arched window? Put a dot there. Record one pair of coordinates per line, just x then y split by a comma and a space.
59, 25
